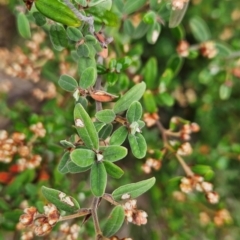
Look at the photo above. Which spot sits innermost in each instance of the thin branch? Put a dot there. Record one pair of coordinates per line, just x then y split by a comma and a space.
95, 216
162, 130
185, 167
82, 212
80, 16
109, 198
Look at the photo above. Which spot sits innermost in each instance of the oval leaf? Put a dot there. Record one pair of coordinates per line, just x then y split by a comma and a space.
113, 170
62, 166
74, 168
58, 37
88, 77
134, 94
86, 131
60, 199
119, 136
134, 113
114, 221
23, 26
105, 116
85, 63
82, 157
67, 83
133, 189
177, 15
138, 145
98, 178
106, 131
199, 29
74, 34
113, 153
131, 6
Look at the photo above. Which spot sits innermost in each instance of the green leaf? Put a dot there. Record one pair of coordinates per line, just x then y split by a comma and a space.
175, 64
113, 153
67, 144
60, 200
88, 78
133, 189
98, 125
103, 16
23, 26
153, 33
58, 37
203, 170
223, 49
74, 34
98, 178
134, 113
149, 102
105, 4
67, 83
225, 91
138, 145
106, 131
132, 6
113, 170
39, 18
177, 15
166, 77
149, 17
86, 131
119, 136
114, 221
150, 72
73, 168
140, 30
106, 116
83, 50
62, 166
85, 63
83, 157
134, 94
165, 99
199, 29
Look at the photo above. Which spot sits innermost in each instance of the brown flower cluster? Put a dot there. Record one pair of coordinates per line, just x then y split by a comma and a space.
40, 224
26, 66
183, 48
67, 232
220, 218
16, 145
133, 215
150, 164
208, 49
188, 184
187, 130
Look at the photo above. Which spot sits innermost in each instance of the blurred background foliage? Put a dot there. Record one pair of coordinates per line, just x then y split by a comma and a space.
201, 89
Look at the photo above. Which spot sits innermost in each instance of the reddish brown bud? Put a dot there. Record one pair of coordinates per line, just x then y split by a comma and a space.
102, 96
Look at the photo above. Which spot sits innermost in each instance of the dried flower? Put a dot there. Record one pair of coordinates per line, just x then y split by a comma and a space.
150, 119
183, 48
185, 149
204, 218
38, 129
212, 197
208, 49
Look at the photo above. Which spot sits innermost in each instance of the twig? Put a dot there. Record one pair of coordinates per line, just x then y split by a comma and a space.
95, 216
80, 16
82, 212
109, 198
185, 167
